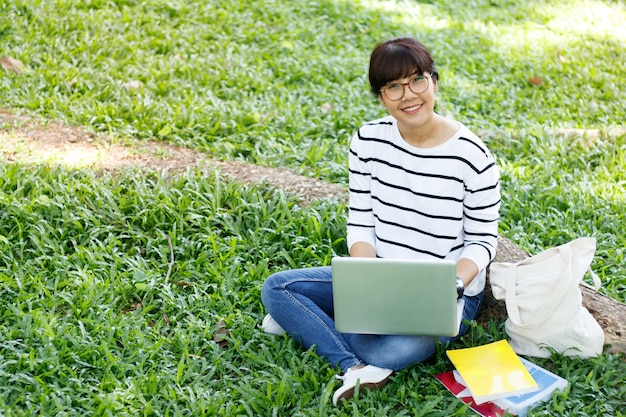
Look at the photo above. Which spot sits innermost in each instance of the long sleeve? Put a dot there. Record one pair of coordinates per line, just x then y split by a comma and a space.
361, 216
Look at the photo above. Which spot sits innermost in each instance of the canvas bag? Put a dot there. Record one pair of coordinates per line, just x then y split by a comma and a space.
544, 303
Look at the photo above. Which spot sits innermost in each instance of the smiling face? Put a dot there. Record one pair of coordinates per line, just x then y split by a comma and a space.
415, 107
400, 61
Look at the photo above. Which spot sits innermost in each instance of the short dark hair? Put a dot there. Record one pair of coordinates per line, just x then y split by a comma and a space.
399, 58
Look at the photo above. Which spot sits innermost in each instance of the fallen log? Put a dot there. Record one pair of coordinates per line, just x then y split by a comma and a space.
609, 313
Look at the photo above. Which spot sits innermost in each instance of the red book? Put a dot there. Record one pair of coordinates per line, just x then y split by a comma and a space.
486, 409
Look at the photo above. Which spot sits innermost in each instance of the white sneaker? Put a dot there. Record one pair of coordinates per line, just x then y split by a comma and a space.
270, 326
369, 377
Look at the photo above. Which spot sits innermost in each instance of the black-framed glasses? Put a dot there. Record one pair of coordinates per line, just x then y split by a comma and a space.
395, 91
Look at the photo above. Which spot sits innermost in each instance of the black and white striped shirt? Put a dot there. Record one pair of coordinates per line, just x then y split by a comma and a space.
409, 202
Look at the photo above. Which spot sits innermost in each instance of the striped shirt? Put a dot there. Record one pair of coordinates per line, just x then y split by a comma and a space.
424, 203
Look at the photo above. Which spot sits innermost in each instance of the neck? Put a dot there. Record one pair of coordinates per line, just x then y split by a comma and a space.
431, 133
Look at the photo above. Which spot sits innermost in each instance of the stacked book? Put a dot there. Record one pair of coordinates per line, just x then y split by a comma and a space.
493, 379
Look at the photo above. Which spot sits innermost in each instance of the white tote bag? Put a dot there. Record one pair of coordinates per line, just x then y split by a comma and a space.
544, 303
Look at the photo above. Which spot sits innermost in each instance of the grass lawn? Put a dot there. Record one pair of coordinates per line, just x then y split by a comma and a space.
112, 285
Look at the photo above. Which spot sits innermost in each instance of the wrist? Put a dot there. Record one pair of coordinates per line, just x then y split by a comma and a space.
460, 287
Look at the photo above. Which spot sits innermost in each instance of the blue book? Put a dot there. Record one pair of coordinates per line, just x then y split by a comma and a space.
548, 383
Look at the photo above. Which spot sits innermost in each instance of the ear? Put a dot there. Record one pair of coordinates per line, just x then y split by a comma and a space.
382, 101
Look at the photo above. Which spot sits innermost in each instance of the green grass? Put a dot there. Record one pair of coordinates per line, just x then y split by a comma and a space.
93, 323
98, 320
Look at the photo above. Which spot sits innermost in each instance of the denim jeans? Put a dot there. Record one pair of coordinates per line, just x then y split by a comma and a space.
301, 301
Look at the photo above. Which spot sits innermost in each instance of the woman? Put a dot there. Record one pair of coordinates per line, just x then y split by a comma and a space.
421, 186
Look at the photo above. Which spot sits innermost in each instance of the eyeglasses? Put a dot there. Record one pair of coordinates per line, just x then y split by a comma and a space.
395, 91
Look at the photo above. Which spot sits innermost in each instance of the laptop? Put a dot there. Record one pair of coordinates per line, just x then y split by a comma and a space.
395, 296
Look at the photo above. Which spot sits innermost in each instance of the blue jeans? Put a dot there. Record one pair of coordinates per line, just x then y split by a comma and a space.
301, 301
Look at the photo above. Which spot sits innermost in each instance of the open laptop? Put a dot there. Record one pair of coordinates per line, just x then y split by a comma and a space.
395, 296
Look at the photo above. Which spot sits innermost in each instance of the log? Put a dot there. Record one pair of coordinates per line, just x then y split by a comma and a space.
609, 313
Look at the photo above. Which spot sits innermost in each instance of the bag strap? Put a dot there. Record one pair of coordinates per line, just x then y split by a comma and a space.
596, 280
546, 308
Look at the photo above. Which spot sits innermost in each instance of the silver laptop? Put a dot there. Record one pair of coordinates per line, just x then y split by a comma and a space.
395, 296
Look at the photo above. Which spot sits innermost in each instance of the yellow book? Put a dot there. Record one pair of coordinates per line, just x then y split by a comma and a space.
492, 371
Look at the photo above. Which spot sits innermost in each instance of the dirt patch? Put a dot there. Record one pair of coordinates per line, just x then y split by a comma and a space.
25, 139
